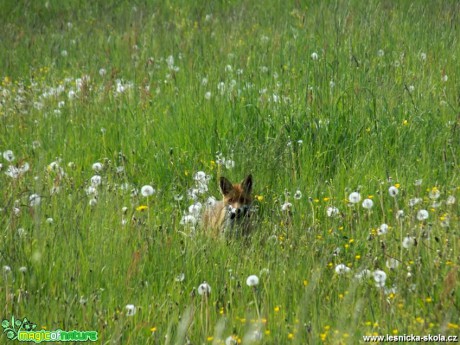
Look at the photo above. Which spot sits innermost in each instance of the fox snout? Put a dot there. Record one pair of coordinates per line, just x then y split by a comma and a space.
238, 213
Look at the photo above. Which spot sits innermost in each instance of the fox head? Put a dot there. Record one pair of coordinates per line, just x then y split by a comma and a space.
237, 197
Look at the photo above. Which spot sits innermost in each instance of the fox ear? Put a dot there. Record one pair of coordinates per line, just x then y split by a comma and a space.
246, 184
225, 185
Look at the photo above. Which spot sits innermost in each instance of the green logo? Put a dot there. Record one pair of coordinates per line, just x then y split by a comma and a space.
24, 330
15, 326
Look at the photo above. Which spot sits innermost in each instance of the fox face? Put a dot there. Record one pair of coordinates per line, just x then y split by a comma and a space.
231, 215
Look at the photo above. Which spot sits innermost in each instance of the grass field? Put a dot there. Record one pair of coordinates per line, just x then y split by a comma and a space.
345, 112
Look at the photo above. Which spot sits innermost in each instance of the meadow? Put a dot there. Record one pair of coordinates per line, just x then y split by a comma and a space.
118, 118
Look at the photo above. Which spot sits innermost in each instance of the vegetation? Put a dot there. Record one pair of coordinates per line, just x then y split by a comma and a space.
345, 112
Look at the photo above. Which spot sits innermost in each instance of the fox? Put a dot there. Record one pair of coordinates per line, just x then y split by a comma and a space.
231, 216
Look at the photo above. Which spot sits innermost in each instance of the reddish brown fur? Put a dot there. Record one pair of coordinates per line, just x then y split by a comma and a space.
234, 195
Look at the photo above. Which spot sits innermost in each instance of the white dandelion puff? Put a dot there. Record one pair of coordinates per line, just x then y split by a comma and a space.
229, 164
189, 220
91, 190
147, 190
130, 309
342, 269
392, 263
332, 211
96, 180
314, 56
379, 277
252, 280
180, 277
97, 167
414, 201
298, 194
434, 193
383, 229
450, 200
195, 209
211, 201
364, 274
204, 289
422, 215
408, 242
34, 200
231, 340
354, 197
368, 203
286, 206
393, 190
200, 176
8, 155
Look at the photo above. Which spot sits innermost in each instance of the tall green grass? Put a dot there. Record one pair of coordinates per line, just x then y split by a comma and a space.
326, 98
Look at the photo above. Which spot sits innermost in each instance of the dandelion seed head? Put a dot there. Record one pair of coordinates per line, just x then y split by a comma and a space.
434, 193
342, 269
408, 242
211, 201
147, 190
252, 280
8, 155
332, 211
383, 229
286, 206
34, 200
392, 263
180, 277
97, 166
379, 277
364, 274
204, 289
130, 310
414, 201
354, 197
314, 56
195, 209
96, 180
298, 194
231, 340
400, 214
450, 200
188, 219
393, 191
422, 215
368, 203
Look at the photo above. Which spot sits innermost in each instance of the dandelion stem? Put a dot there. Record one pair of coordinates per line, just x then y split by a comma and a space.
255, 301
